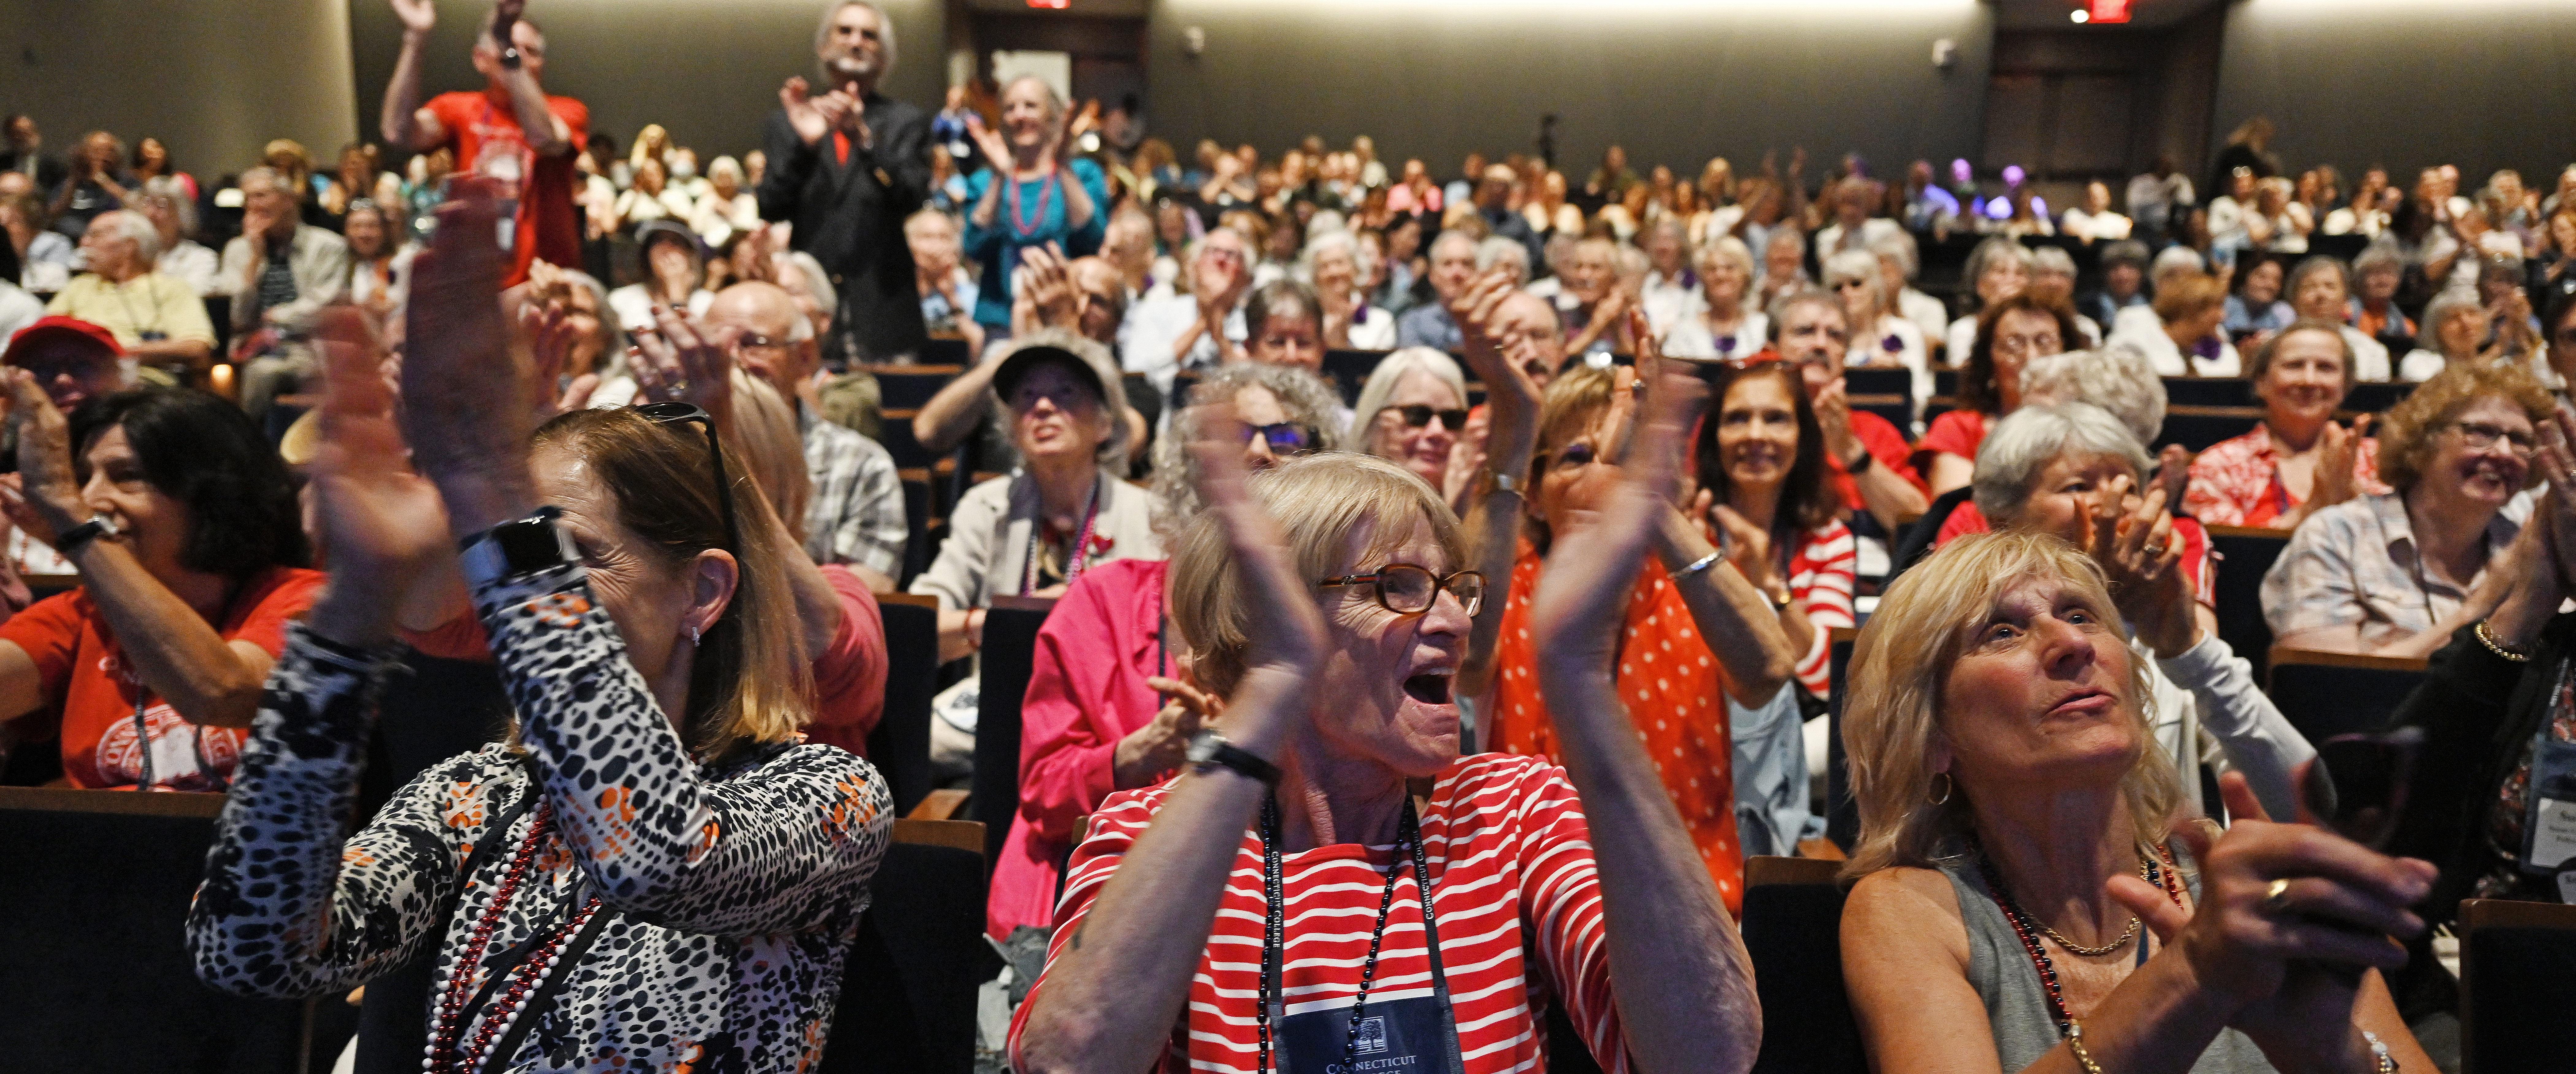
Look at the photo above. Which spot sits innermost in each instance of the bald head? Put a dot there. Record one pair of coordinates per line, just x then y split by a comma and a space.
771, 337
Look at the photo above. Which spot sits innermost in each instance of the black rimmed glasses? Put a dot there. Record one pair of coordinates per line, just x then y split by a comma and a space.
668, 413
1406, 589
1286, 438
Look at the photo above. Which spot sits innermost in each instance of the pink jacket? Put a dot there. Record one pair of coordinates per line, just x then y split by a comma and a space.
1086, 692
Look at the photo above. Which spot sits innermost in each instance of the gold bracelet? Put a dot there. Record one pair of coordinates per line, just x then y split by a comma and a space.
2075, 1044
2497, 647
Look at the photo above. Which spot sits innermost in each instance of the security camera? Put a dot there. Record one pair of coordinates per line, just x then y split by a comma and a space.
1945, 54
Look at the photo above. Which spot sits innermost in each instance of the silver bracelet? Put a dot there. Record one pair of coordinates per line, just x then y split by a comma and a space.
2387, 1064
1696, 566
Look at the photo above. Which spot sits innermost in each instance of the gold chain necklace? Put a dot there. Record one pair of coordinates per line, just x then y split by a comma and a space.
2074, 948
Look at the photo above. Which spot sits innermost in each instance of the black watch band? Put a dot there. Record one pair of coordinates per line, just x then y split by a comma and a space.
1211, 750
1862, 466
519, 546
71, 540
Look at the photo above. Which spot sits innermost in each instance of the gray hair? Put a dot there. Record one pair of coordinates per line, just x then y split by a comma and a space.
2175, 259
885, 31
2312, 266
1329, 240
2376, 256
1383, 379
2125, 252
1497, 248
275, 179
1305, 399
1805, 296
2052, 259
1986, 254
817, 287
1899, 246
1781, 233
2428, 329
1727, 248
2027, 440
1863, 266
2117, 378
1452, 236
136, 228
167, 188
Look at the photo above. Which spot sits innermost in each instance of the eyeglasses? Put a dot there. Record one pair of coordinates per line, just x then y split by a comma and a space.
1286, 438
669, 413
756, 341
2027, 344
1406, 589
2481, 436
1418, 415
1845, 285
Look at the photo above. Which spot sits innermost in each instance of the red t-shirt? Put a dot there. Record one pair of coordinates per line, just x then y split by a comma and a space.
1886, 445
484, 129
1957, 432
850, 677
86, 681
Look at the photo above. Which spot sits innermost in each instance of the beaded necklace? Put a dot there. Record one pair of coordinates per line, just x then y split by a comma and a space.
443, 1055
1028, 228
1274, 946
2156, 867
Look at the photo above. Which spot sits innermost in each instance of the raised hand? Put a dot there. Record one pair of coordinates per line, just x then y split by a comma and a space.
1047, 287
1833, 416
2335, 457
2132, 539
48, 496
418, 16
989, 142
1747, 547
684, 361
505, 14
1583, 594
1285, 649
2556, 511
456, 355
804, 115
379, 523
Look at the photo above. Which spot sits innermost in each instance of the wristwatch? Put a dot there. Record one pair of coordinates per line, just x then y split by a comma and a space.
519, 546
1860, 465
1498, 481
70, 540
1210, 750
510, 58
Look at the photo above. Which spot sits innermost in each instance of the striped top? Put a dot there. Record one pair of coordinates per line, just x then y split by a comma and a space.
1511, 876
1821, 570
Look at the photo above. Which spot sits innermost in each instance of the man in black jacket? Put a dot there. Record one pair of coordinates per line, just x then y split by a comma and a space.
846, 167
22, 151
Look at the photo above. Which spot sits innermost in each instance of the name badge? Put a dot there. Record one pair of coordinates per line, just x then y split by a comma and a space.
2549, 825
1401, 1036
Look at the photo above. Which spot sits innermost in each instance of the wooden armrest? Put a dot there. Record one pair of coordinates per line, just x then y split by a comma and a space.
940, 805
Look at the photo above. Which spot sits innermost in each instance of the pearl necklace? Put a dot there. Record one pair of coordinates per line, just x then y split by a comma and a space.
443, 1056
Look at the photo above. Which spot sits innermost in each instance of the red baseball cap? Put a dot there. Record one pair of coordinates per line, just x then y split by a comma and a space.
61, 326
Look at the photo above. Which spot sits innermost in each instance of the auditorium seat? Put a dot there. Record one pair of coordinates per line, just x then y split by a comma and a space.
1349, 370
899, 746
1010, 646
908, 985
2209, 391
2328, 694
2375, 397
909, 387
1888, 393
2244, 554
947, 352
897, 438
2515, 990
2197, 427
1946, 382
1842, 813
1792, 929
94, 964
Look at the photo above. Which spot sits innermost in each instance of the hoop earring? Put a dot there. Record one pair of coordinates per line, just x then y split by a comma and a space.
1947, 786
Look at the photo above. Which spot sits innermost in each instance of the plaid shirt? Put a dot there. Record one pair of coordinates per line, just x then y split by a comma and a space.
856, 516
2356, 564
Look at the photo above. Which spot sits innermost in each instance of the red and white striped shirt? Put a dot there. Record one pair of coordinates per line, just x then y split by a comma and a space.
1511, 875
1821, 570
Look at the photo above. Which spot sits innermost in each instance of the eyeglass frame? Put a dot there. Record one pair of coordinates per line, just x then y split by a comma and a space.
2468, 439
1428, 412
1314, 437
666, 413
1439, 584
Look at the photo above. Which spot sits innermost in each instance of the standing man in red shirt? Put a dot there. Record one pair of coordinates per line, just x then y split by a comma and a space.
511, 133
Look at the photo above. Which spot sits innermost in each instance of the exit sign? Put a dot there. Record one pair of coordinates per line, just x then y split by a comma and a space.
2102, 10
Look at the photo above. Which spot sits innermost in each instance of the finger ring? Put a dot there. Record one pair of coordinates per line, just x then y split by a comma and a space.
2155, 550
679, 388
2277, 897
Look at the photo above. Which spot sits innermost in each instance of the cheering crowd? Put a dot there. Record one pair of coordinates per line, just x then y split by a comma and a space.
1445, 576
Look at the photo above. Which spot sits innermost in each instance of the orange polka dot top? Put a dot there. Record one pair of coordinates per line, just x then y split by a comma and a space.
1674, 692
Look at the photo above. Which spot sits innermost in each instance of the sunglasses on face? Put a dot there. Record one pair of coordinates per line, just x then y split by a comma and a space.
1418, 415
1286, 438
1406, 589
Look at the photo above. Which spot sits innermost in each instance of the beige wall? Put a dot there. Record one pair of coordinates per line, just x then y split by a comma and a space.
213, 79
1674, 82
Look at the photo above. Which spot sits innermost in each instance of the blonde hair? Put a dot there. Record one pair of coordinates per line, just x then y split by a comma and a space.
1323, 504
751, 681
1899, 668
772, 451
1568, 408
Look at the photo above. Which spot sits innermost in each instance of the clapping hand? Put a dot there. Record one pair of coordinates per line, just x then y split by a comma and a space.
989, 142
1267, 707
46, 496
2132, 539
684, 361
813, 117
473, 446
380, 524
1583, 592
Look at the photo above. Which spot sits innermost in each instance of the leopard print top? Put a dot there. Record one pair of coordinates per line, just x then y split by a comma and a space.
736, 890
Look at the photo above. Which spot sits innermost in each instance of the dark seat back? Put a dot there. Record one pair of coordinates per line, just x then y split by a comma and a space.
908, 986
1888, 393
1347, 371
2209, 391
94, 967
1842, 812
2376, 397
2329, 694
946, 352
907, 387
1010, 644
2244, 556
1793, 931
900, 744
2197, 427
2515, 986
1916, 542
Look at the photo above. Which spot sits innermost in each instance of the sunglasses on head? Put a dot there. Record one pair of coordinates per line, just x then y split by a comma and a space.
685, 413
1418, 415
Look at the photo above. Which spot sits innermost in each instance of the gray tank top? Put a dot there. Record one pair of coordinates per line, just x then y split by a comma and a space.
2017, 1004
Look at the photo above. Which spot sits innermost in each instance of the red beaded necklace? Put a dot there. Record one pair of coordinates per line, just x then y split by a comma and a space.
2160, 872
1028, 228
443, 1055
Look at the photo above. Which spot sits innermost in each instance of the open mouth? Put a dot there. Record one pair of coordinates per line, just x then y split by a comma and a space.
1430, 687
